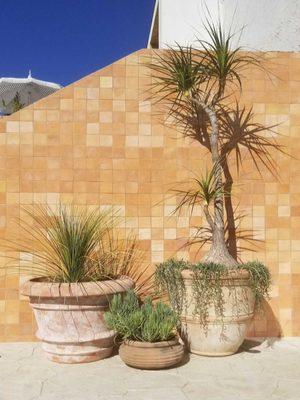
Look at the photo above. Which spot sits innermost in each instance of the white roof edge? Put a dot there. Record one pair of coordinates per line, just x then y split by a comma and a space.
31, 80
152, 23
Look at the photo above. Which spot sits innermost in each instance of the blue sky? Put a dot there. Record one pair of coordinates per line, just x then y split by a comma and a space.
64, 40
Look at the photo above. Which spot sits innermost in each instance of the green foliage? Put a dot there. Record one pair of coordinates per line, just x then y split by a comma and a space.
224, 61
62, 242
16, 104
74, 245
168, 279
177, 71
147, 322
205, 192
206, 289
260, 279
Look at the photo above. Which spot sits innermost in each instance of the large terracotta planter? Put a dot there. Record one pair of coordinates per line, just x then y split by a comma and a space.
70, 319
220, 337
145, 355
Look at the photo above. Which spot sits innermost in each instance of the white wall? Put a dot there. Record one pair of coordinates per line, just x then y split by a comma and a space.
181, 20
270, 25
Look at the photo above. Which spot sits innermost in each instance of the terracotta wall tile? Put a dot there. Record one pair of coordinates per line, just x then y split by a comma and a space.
101, 142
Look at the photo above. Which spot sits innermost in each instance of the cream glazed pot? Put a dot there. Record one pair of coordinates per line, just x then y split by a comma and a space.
70, 317
220, 337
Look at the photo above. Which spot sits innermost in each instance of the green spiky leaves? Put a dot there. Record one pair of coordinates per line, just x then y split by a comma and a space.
205, 191
176, 72
147, 322
72, 244
63, 242
185, 70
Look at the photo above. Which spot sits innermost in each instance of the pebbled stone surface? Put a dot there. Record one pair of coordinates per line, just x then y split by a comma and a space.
268, 370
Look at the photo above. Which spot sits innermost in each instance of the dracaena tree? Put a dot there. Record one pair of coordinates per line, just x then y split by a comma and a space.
196, 87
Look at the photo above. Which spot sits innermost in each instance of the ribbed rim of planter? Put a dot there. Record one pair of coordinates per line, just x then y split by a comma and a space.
37, 287
231, 275
166, 343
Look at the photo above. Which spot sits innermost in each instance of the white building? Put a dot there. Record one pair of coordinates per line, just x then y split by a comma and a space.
16, 93
269, 25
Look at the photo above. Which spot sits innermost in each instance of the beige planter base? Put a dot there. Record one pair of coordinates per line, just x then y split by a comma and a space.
70, 318
145, 355
220, 338
70, 353
199, 353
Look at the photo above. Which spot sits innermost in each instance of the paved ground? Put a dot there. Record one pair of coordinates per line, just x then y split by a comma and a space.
267, 371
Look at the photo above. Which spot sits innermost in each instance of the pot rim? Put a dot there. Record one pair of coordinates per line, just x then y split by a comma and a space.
35, 287
233, 274
165, 343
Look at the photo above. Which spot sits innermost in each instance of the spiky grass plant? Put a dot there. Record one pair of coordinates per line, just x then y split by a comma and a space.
62, 243
75, 245
147, 322
117, 256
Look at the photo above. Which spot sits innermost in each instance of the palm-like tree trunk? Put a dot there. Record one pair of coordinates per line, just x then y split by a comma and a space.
218, 252
231, 223
202, 77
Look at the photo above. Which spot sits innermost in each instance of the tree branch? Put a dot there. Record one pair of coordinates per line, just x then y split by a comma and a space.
208, 216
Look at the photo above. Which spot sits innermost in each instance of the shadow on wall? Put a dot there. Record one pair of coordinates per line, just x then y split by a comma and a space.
242, 136
265, 323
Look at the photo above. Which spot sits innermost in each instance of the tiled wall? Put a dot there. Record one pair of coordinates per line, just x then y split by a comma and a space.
100, 141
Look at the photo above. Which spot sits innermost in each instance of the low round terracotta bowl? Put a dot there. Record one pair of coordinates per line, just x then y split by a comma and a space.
145, 355
70, 317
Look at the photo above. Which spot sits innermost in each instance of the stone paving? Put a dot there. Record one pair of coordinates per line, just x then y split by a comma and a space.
260, 371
